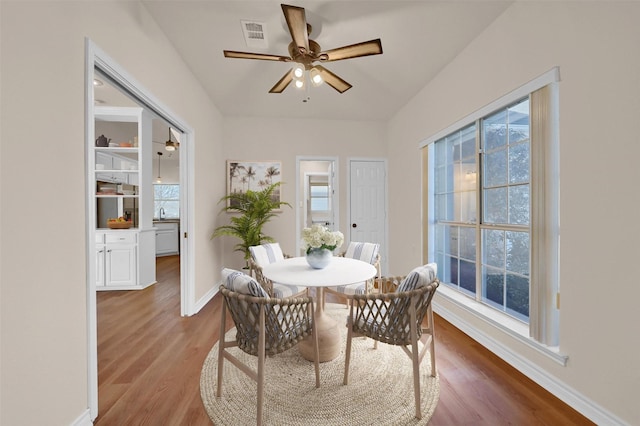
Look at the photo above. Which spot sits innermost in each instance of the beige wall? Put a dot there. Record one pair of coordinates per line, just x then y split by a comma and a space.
43, 245
283, 140
595, 44
43, 350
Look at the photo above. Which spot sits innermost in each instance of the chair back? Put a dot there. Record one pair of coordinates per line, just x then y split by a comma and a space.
367, 252
391, 322
265, 254
284, 322
419, 277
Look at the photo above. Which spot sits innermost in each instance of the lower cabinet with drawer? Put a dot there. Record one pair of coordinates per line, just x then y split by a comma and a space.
118, 261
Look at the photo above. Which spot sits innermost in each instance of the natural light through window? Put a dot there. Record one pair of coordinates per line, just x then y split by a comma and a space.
491, 203
166, 201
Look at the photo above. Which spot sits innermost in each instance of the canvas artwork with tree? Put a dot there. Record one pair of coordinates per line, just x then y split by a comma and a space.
253, 175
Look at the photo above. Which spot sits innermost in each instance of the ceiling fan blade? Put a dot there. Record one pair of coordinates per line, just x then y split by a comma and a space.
262, 56
366, 48
297, 23
282, 83
333, 80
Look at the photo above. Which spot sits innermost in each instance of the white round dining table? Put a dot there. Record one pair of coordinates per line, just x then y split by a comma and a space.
340, 271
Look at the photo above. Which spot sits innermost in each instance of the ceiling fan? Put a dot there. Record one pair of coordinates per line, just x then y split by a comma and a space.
305, 52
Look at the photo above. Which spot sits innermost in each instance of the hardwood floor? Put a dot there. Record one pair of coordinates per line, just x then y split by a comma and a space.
149, 362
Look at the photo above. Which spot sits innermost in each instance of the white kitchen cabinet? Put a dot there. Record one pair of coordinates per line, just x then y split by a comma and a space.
123, 259
114, 168
120, 259
116, 259
120, 265
167, 242
100, 254
122, 185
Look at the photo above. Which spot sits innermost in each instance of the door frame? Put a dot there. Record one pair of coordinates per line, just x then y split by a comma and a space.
384, 245
97, 58
334, 198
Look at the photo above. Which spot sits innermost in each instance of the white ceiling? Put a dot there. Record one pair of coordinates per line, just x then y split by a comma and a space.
418, 39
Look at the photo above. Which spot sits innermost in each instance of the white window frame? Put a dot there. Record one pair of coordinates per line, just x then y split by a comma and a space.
542, 333
156, 213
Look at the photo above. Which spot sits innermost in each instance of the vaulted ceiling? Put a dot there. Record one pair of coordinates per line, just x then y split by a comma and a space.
418, 38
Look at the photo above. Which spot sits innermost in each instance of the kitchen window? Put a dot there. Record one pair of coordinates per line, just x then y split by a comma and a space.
166, 201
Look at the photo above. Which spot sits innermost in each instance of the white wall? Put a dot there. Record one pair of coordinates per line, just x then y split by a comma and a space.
283, 140
43, 295
595, 44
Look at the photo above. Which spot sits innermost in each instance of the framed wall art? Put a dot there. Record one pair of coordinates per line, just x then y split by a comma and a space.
253, 175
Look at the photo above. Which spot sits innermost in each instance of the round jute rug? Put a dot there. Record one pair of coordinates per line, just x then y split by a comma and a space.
380, 389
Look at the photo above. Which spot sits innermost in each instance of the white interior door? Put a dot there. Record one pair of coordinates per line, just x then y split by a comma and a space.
368, 204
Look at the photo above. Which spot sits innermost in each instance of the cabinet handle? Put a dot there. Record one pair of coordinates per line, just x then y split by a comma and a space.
109, 251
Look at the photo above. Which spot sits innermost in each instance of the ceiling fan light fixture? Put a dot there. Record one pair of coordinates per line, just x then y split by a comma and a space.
171, 145
316, 78
303, 52
298, 72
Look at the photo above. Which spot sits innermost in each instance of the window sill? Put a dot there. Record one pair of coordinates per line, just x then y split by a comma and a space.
503, 322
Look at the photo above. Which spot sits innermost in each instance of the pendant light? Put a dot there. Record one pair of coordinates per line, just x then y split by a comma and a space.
159, 180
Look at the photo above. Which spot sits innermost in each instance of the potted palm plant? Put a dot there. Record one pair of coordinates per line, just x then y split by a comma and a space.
255, 209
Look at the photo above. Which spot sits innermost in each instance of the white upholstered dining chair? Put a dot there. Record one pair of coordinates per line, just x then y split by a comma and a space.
266, 254
265, 326
367, 252
396, 318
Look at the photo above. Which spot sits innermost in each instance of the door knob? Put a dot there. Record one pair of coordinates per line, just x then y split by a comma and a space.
354, 225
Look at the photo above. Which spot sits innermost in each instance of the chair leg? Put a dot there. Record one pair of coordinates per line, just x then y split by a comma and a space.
261, 356
432, 343
415, 358
347, 357
221, 343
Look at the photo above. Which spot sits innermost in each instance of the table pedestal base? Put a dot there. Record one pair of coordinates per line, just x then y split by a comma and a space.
329, 337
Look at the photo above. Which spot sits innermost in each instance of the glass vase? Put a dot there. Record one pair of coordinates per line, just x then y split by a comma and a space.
319, 258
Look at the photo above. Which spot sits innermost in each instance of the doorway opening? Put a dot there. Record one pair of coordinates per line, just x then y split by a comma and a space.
102, 69
316, 195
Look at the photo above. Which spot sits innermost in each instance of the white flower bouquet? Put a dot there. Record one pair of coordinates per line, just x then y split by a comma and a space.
319, 237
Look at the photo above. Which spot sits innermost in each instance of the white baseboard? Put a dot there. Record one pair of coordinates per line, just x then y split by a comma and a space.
83, 420
205, 299
561, 390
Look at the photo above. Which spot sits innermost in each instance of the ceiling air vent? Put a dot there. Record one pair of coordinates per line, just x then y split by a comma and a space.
255, 34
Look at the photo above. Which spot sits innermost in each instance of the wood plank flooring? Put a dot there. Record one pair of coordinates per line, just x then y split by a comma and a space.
149, 362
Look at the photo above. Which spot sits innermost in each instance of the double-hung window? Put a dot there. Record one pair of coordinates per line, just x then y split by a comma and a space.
499, 238
491, 198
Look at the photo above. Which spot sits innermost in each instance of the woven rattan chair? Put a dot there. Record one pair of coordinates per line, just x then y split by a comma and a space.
264, 327
263, 255
367, 252
396, 318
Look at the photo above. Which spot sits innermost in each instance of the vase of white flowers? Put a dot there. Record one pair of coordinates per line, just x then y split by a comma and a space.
319, 243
